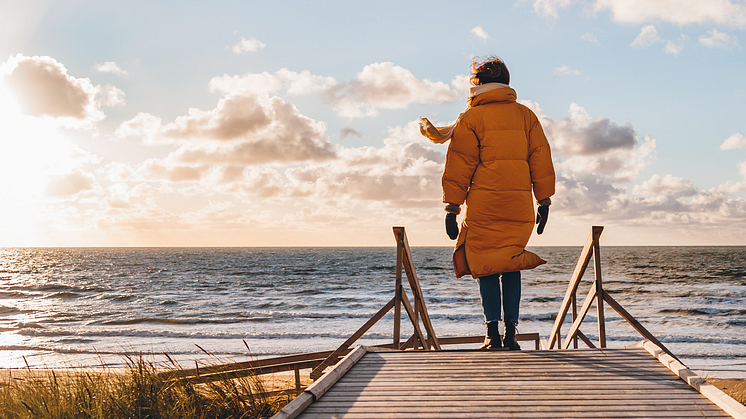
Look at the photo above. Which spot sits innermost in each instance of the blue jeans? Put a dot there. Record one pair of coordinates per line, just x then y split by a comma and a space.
489, 290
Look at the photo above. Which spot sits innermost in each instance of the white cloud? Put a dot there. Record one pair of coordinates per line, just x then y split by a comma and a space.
462, 83
549, 8
386, 86
677, 12
666, 185
248, 45
109, 95
265, 83
674, 48
480, 33
590, 38
566, 71
42, 87
717, 39
736, 140
109, 67
647, 37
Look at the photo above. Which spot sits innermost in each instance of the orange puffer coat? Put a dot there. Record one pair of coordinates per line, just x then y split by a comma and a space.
498, 155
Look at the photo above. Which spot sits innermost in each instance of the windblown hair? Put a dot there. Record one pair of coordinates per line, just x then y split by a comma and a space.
489, 70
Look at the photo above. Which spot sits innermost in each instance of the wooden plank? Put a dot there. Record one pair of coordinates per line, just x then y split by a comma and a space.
225, 375
317, 389
255, 364
577, 275
321, 386
331, 359
507, 414
714, 394
631, 396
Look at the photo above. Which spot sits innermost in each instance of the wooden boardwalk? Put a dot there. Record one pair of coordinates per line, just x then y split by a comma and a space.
576, 383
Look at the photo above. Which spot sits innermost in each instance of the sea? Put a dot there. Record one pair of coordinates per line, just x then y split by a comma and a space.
87, 307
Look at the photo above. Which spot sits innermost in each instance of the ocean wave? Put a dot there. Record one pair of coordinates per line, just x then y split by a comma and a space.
30, 325
544, 299
704, 311
63, 294
143, 320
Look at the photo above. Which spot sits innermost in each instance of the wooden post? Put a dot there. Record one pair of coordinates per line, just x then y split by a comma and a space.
575, 316
397, 296
599, 294
418, 301
577, 275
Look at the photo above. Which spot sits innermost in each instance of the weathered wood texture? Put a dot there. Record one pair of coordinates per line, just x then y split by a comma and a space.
577, 383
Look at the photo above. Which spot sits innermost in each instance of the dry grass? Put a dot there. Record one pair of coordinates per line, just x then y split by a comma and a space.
732, 387
137, 391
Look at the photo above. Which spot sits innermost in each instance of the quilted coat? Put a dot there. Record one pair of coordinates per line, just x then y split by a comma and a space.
498, 156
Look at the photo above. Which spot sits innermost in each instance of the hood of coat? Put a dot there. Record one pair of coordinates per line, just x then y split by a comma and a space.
504, 95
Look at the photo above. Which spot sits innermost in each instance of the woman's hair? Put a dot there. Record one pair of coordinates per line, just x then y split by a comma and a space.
489, 70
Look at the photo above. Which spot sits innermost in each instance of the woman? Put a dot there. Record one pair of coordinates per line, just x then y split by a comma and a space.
498, 156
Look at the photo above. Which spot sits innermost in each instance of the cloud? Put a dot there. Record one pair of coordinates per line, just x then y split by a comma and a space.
248, 45
647, 37
69, 184
386, 86
242, 129
109, 67
736, 140
717, 39
265, 83
346, 132
583, 145
462, 83
565, 71
401, 174
549, 8
480, 33
110, 96
666, 185
590, 38
678, 12
675, 48
42, 87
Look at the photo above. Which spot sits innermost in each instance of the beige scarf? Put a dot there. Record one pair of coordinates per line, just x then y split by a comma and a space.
440, 135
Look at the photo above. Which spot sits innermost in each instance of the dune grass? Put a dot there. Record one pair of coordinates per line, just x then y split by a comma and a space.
140, 390
732, 387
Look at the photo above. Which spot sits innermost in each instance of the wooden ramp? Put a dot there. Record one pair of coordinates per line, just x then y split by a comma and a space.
575, 383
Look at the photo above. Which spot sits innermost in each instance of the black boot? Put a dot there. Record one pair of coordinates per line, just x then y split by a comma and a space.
510, 341
492, 338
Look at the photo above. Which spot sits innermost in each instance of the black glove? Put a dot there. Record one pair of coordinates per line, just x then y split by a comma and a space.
541, 218
451, 226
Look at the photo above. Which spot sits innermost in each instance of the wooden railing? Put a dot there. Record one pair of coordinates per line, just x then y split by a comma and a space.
423, 335
416, 310
596, 294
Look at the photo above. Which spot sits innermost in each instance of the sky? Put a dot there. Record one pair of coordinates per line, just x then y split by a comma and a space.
294, 123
